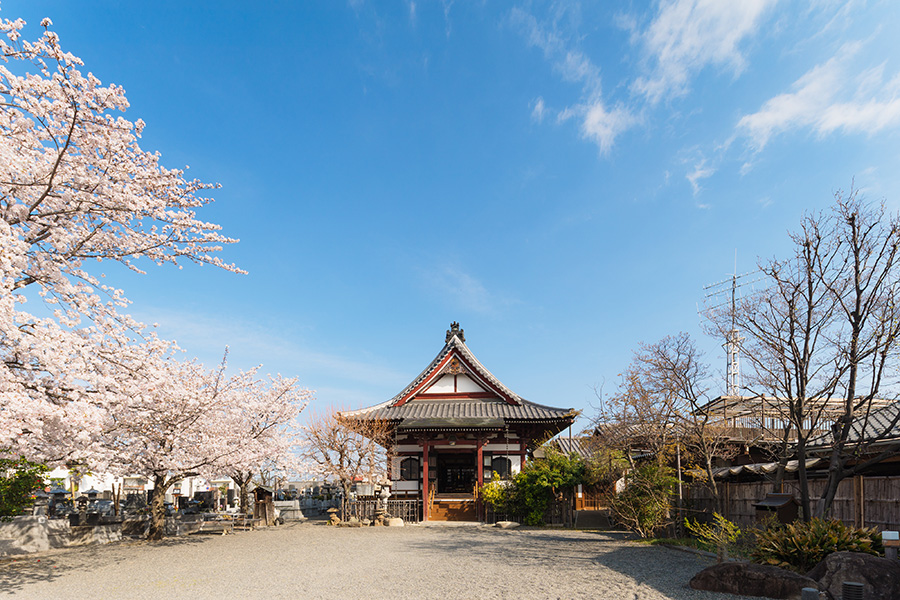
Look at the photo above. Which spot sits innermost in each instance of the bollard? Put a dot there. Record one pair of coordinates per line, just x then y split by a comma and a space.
891, 541
851, 590
809, 594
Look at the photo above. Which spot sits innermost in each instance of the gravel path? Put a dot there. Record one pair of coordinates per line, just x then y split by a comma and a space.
311, 560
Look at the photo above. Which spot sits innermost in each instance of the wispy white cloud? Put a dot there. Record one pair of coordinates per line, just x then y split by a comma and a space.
538, 111
412, 12
448, 25
701, 170
687, 35
600, 124
597, 121
832, 96
463, 290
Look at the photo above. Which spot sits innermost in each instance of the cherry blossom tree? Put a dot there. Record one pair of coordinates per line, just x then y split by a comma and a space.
265, 413
76, 188
177, 419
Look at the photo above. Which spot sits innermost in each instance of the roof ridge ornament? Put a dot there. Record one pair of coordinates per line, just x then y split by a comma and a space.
455, 330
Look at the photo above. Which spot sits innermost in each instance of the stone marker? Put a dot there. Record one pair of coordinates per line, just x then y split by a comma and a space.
394, 522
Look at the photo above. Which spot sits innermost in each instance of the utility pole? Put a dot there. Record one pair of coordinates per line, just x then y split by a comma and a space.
715, 293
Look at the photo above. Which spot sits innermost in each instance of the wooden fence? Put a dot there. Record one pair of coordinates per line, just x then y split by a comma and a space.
861, 501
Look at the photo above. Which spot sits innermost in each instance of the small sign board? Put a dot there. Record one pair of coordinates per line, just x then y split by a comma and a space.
890, 538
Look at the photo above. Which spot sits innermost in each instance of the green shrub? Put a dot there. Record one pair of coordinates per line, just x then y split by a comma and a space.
18, 479
645, 505
800, 546
540, 481
716, 536
500, 494
530, 493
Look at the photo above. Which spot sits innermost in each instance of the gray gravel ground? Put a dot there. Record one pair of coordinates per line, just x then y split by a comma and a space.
311, 560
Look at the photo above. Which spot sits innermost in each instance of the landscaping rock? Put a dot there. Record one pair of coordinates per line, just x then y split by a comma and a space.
350, 523
749, 579
506, 524
879, 576
394, 522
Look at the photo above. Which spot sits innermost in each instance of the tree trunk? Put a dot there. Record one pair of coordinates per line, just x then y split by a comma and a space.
803, 480
836, 474
718, 501
242, 480
158, 508
778, 482
345, 500
116, 494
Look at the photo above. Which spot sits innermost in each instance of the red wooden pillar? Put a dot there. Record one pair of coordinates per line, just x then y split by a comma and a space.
425, 506
479, 456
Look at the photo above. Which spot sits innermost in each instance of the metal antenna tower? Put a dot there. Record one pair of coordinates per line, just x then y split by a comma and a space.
733, 339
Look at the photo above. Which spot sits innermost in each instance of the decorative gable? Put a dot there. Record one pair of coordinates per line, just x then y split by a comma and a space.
455, 374
456, 385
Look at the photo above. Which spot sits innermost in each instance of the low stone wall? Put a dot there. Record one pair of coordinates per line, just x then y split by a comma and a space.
24, 535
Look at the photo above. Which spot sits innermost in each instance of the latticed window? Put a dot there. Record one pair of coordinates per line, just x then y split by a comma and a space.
502, 466
409, 469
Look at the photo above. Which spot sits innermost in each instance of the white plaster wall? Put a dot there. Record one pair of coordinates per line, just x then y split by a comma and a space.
404, 486
444, 385
465, 384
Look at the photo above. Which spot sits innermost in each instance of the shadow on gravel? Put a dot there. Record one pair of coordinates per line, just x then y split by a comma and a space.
20, 571
651, 566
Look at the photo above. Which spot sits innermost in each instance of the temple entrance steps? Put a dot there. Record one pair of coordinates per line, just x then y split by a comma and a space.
593, 519
452, 510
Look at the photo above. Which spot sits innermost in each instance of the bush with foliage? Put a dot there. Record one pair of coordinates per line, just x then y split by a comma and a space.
500, 494
800, 546
716, 536
530, 493
540, 481
19, 478
645, 505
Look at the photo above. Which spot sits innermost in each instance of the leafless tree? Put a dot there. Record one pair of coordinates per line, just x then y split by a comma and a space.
788, 329
674, 372
822, 337
346, 450
660, 407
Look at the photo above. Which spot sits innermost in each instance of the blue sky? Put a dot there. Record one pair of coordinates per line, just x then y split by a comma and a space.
561, 178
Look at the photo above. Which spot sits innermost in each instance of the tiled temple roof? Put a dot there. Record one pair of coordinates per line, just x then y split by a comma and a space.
420, 411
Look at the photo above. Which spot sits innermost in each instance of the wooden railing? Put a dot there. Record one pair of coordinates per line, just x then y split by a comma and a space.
408, 510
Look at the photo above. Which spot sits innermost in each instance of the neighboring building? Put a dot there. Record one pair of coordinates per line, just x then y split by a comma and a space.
581, 446
453, 426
